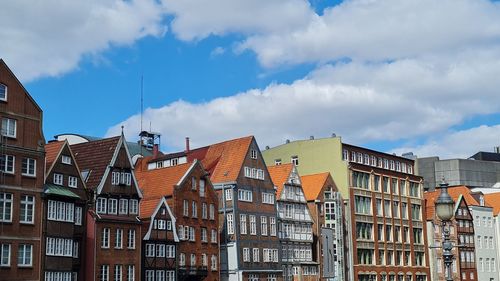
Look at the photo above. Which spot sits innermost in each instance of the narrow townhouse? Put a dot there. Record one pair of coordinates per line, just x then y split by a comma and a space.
188, 190
249, 244
113, 248
21, 180
487, 241
326, 206
462, 234
295, 225
65, 200
160, 240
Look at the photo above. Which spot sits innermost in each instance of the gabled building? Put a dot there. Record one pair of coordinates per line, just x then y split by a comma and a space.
65, 201
249, 245
159, 242
187, 188
113, 227
462, 235
327, 210
295, 224
21, 180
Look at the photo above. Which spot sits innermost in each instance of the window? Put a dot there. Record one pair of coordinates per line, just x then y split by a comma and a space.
194, 209
212, 211
60, 211
255, 254
268, 198
105, 238
5, 207
130, 272
185, 208
134, 204
295, 160
58, 179
28, 167
182, 259
230, 224
3, 92
246, 254
345, 155
7, 164
72, 182
277, 162
193, 260
160, 250
213, 236
202, 187
243, 224
131, 239
214, 263
9, 127
101, 205
119, 238
123, 208
66, 159
253, 225
229, 194
76, 247
112, 206
104, 272
150, 250
24, 255
27, 208
193, 183
204, 261
272, 221
245, 195
150, 275
263, 225
118, 272
204, 235
5, 255
253, 154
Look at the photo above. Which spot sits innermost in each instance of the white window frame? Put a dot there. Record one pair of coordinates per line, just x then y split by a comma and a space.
28, 167
73, 182
119, 238
118, 272
130, 272
123, 207
212, 212
104, 273
134, 207
243, 224
229, 194
253, 225
230, 223
28, 202
112, 206
6, 201
8, 163
101, 206
6, 130
105, 235
24, 259
58, 179
131, 239
5, 254
3, 93
65, 159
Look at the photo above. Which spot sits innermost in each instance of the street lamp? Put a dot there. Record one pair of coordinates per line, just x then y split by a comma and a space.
444, 210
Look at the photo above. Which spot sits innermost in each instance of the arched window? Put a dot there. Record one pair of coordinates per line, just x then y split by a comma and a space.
3, 92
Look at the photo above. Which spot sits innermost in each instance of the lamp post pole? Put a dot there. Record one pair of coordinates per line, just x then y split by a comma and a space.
444, 210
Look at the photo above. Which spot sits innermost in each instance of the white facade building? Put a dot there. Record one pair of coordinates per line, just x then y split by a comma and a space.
486, 243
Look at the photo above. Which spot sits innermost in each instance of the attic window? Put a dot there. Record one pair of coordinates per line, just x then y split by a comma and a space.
3, 92
253, 154
66, 160
277, 162
295, 160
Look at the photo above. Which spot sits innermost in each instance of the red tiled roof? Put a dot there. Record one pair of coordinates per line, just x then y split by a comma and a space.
493, 199
148, 206
313, 184
158, 183
454, 191
52, 150
279, 175
223, 160
95, 156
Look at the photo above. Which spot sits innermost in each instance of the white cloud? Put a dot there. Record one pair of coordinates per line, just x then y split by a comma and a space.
49, 38
361, 102
382, 30
218, 51
457, 144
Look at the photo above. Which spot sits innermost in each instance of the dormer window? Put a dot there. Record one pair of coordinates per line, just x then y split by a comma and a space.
277, 162
3, 92
295, 160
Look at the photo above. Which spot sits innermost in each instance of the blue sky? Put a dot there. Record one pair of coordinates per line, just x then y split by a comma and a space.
394, 76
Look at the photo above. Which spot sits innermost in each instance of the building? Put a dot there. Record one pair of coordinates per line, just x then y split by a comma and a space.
327, 210
113, 227
384, 205
21, 180
492, 200
159, 242
187, 188
249, 245
295, 225
65, 204
462, 233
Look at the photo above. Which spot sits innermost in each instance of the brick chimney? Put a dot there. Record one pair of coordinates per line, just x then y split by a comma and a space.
155, 151
187, 145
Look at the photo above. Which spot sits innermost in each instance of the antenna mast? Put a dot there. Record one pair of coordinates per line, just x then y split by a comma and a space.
142, 97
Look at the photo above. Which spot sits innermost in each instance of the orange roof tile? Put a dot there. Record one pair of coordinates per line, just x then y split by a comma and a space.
52, 150
454, 191
313, 184
158, 183
223, 160
148, 206
279, 175
493, 199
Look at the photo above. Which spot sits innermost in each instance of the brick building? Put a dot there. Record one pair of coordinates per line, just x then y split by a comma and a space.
65, 201
113, 228
327, 210
21, 180
295, 225
188, 190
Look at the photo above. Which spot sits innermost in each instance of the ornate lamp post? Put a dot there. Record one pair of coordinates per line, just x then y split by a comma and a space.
444, 210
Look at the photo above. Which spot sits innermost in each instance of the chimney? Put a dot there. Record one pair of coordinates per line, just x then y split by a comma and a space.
187, 144
155, 150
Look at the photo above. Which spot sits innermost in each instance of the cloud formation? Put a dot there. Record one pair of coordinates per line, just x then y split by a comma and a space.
49, 38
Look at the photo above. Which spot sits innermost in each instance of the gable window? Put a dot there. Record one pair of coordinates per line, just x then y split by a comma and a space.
28, 167
66, 159
7, 164
9, 127
245, 195
58, 179
295, 160
3, 92
101, 205
123, 210
185, 208
253, 154
5, 207
112, 206
134, 206
72, 182
193, 183
202, 188
27, 208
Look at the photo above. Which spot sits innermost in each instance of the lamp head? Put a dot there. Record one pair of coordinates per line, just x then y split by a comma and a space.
444, 204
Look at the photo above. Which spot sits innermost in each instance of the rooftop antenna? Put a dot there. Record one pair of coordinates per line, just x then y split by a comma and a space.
142, 98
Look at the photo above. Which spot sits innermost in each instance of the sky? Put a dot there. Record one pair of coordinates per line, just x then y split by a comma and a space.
390, 75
